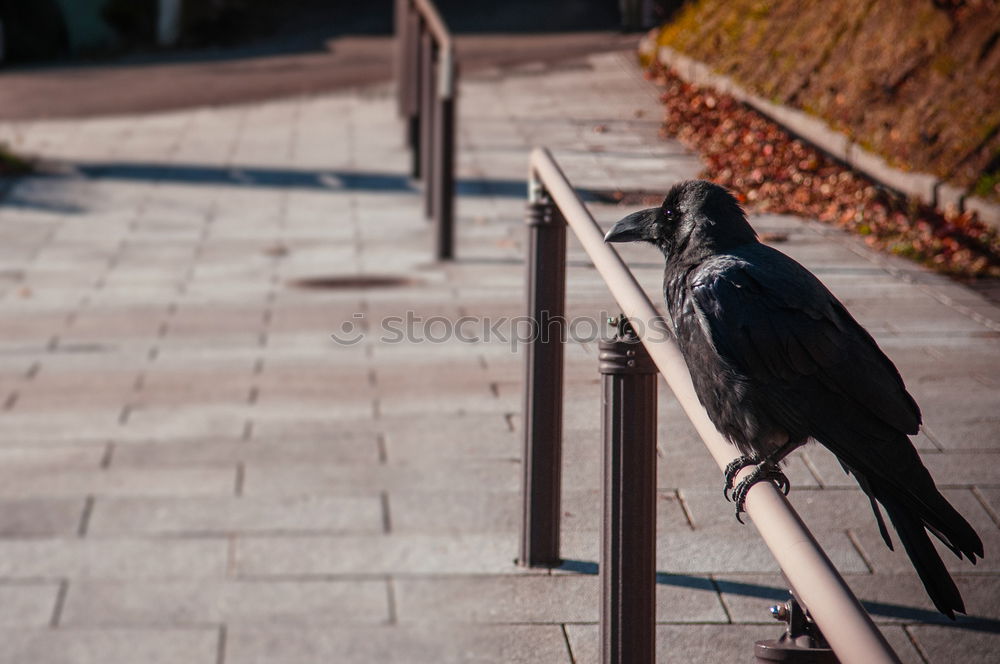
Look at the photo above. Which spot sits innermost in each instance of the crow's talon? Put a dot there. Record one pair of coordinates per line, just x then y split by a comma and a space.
783, 483
765, 471
780, 481
734, 467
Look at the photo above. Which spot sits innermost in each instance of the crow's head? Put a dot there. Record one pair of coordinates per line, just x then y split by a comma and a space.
696, 217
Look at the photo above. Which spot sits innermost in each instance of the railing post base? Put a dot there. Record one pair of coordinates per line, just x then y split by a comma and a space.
628, 553
769, 652
802, 642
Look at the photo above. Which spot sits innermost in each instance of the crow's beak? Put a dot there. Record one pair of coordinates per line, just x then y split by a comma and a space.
633, 227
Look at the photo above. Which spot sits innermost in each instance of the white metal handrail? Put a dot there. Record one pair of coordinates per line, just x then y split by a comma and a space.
847, 627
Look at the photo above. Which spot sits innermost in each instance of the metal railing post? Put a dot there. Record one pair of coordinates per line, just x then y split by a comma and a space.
543, 396
444, 158
413, 88
628, 553
427, 89
400, 28
427, 93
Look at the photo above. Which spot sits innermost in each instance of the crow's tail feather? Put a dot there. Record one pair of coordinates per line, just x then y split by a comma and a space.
915, 506
918, 546
924, 503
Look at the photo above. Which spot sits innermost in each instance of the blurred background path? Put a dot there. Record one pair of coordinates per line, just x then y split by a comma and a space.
192, 470
301, 47
229, 77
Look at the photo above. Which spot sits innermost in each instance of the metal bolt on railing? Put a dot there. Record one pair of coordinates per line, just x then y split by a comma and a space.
427, 77
802, 642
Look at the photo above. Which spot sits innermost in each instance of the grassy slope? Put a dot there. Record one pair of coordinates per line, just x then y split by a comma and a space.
914, 82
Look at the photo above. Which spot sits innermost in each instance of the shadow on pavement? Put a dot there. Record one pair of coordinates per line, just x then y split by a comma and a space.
778, 594
43, 191
324, 179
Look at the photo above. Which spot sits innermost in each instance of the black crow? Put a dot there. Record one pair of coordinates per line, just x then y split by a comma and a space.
776, 360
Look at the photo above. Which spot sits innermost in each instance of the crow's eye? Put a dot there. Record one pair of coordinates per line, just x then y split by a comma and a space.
668, 213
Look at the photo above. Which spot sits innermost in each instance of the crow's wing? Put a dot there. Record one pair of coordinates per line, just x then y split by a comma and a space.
820, 374
818, 368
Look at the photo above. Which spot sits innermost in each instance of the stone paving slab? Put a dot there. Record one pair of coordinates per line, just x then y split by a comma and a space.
113, 646
726, 549
192, 469
98, 481
120, 558
52, 458
30, 517
538, 599
938, 644
236, 514
272, 479
27, 604
321, 556
441, 511
447, 644
347, 448
194, 603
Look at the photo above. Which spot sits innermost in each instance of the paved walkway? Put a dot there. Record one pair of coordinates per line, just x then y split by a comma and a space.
176, 81
192, 470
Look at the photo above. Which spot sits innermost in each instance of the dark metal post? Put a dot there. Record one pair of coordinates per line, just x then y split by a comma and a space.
628, 554
444, 161
413, 88
400, 28
543, 394
427, 93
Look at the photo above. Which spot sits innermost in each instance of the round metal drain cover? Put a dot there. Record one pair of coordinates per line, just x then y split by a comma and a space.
351, 282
